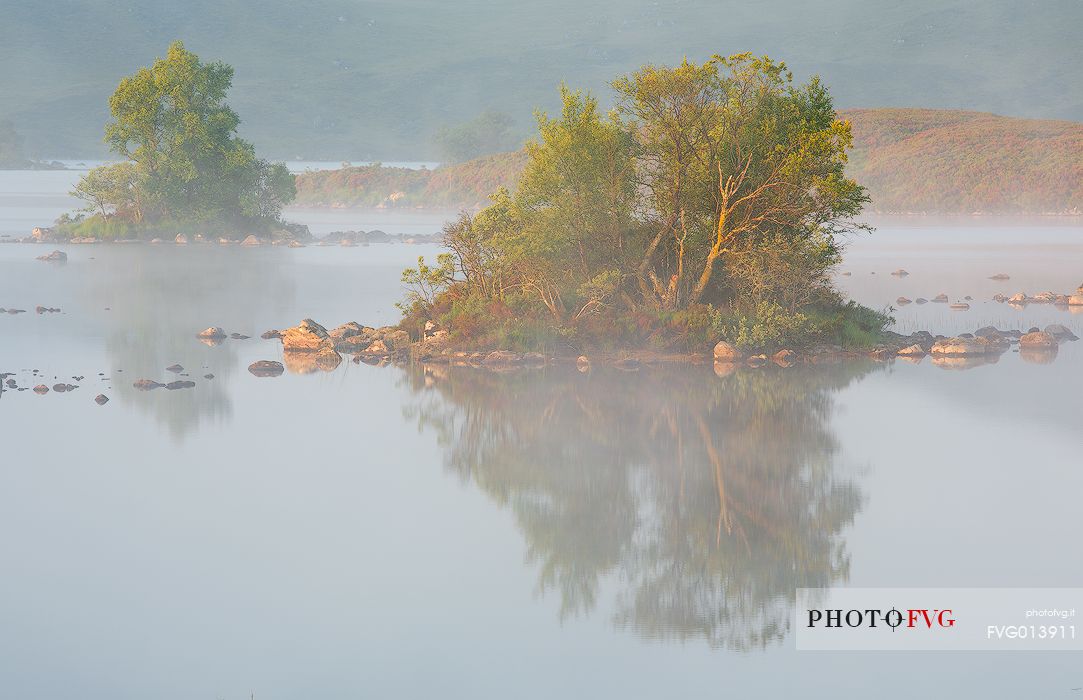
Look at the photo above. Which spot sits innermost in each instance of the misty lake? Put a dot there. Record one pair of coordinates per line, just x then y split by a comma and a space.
457, 532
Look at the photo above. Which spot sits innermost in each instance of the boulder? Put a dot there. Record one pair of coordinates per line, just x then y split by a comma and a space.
271, 334
251, 240
41, 389
903, 301
396, 339
146, 384
181, 239
1045, 297
940, 299
1060, 332
960, 305
914, 350
1000, 298
987, 332
212, 333
180, 384
377, 347
535, 359
1039, 339
239, 336
921, 300
1076, 299
726, 352
900, 273
1019, 298
55, 256
296, 244
346, 330
101, 399
962, 347
582, 363
356, 344
502, 358
1000, 277
174, 369
307, 336
266, 368
784, 357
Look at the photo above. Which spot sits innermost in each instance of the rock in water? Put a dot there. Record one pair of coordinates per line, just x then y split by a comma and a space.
101, 399
900, 273
960, 305
55, 256
251, 240
180, 384
1038, 340
212, 333
174, 368
940, 299
181, 239
1060, 332
266, 368
271, 334
903, 301
307, 336
963, 347
146, 384
502, 358
41, 389
726, 352
914, 350
1000, 277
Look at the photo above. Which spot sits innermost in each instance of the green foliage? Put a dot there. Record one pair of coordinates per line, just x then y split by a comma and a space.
425, 283
184, 161
711, 204
489, 132
769, 326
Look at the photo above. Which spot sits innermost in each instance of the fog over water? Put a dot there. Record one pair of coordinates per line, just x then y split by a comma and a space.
389, 532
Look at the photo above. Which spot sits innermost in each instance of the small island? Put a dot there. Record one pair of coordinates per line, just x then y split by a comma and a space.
711, 204
184, 171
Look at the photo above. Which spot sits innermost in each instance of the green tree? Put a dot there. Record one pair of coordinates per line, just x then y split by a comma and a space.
184, 160
731, 151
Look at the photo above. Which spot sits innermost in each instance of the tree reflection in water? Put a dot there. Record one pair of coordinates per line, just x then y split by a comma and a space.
704, 501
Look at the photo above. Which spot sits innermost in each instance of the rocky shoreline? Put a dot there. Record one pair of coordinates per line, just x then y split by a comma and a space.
344, 239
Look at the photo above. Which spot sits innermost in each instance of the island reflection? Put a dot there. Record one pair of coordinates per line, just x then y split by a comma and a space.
704, 501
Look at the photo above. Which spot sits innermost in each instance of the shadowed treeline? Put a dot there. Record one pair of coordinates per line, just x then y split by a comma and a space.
704, 501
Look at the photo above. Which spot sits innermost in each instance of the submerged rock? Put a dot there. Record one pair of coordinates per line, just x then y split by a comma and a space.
921, 300
147, 384
55, 256
180, 384
174, 369
266, 368
1000, 277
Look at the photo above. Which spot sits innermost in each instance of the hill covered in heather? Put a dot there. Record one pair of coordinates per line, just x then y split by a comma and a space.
956, 162
912, 161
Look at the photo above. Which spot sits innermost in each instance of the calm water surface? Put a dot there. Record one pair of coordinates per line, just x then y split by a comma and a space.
380, 532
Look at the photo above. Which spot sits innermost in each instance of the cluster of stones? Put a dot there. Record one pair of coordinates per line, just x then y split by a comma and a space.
984, 342
1022, 298
938, 299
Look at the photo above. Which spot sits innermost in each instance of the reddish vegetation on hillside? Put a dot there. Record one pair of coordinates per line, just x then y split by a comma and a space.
911, 160
942, 161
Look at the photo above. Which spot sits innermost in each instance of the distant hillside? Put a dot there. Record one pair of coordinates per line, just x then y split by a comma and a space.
939, 161
911, 160
461, 186
377, 79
